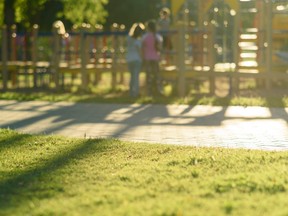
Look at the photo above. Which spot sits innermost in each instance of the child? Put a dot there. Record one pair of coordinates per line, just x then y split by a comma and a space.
151, 45
134, 56
164, 26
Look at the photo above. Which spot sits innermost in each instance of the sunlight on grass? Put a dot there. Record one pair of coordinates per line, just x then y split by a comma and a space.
118, 96
251, 93
49, 175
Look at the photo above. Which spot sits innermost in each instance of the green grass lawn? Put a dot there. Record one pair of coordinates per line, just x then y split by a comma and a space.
122, 96
198, 93
49, 175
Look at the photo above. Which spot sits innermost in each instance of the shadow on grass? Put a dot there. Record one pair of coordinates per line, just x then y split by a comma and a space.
276, 102
9, 141
120, 96
23, 187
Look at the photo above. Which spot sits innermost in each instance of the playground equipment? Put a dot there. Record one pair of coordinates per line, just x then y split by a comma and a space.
236, 39
90, 51
231, 39
21, 61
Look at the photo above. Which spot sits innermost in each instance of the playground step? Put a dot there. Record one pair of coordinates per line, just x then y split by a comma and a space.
245, 55
248, 46
248, 64
248, 37
251, 30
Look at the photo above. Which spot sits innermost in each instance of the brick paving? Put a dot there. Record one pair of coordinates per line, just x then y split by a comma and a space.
232, 127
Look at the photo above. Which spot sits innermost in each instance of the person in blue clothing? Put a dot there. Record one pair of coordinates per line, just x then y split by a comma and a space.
134, 56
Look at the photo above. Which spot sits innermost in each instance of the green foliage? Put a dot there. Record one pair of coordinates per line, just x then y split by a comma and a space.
48, 175
1, 11
114, 96
26, 11
88, 11
129, 11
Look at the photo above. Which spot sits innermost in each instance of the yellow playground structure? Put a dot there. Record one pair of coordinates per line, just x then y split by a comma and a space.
246, 37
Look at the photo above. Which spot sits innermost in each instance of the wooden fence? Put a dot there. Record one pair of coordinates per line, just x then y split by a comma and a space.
89, 52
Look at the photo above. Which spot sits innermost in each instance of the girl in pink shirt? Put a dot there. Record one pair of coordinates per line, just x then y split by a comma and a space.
151, 45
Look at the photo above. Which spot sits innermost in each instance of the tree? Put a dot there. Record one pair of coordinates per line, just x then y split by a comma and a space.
88, 11
28, 12
6, 7
129, 11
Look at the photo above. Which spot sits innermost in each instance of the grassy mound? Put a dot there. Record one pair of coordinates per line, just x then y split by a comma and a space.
49, 175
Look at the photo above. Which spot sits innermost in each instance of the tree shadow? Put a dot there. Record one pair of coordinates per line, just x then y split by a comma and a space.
120, 120
280, 113
15, 140
16, 187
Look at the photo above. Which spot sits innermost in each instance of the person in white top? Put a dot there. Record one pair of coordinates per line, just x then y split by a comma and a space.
134, 56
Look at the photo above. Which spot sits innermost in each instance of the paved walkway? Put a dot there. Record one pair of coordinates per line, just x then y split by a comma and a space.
250, 127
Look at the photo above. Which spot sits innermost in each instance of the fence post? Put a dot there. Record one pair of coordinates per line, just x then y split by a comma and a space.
88, 52
114, 51
56, 54
121, 50
98, 48
34, 53
13, 53
234, 80
211, 58
84, 77
88, 43
181, 59
269, 41
75, 47
4, 58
